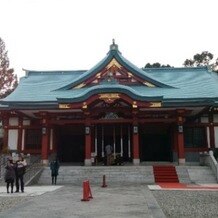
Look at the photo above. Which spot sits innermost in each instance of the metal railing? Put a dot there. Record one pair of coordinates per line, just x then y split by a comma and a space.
3, 162
209, 160
33, 168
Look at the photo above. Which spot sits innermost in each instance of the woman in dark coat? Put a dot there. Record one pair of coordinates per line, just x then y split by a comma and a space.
10, 175
54, 166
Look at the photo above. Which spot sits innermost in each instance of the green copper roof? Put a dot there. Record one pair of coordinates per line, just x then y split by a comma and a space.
174, 86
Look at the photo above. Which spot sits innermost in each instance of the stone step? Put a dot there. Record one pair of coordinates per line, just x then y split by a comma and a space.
201, 175
124, 175
76, 175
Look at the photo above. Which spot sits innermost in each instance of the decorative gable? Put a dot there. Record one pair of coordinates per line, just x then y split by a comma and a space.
114, 71
114, 68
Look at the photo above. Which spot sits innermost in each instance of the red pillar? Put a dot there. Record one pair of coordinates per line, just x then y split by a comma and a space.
87, 144
135, 138
20, 131
180, 137
211, 132
45, 145
45, 141
180, 144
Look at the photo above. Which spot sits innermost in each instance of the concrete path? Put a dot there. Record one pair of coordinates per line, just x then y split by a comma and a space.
110, 202
29, 191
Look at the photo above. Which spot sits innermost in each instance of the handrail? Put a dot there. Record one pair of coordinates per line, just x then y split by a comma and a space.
213, 164
34, 165
3, 162
209, 160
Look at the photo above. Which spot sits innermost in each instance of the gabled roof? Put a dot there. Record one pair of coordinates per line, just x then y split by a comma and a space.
115, 55
171, 86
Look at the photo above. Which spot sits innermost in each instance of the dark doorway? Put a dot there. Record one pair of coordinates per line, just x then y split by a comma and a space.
155, 143
115, 135
71, 143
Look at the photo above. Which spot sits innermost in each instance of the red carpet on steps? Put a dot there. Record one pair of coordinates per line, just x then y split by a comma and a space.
165, 174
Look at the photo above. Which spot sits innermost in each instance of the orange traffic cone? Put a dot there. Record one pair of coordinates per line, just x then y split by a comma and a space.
104, 182
89, 190
87, 194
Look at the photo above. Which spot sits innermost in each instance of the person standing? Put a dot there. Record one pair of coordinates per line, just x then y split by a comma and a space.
10, 174
19, 172
108, 151
54, 167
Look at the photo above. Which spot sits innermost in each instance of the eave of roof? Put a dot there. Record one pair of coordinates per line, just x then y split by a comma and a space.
110, 89
191, 86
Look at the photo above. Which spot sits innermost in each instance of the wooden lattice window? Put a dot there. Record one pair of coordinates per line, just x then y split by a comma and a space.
33, 138
195, 137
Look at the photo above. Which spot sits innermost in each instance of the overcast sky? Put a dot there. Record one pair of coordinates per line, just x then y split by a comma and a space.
76, 34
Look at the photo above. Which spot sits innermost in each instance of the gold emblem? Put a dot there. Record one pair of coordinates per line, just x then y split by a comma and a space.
109, 97
134, 104
84, 105
64, 106
155, 104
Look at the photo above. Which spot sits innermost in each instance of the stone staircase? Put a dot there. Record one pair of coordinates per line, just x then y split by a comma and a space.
123, 175
114, 174
201, 175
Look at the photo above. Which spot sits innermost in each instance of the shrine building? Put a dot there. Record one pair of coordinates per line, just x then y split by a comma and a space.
147, 115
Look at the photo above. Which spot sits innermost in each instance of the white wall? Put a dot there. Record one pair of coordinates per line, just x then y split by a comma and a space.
26, 122
12, 139
204, 120
208, 137
13, 121
51, 139
216, 136
215, 118
23, 138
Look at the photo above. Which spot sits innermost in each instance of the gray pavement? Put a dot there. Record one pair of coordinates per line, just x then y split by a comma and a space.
110, 202
116, 201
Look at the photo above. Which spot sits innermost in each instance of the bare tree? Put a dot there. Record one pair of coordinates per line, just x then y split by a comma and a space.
8, 80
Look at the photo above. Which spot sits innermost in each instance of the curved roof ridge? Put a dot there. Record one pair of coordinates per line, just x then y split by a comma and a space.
88, 73
109, 89
201, 68
141, 73
36, 72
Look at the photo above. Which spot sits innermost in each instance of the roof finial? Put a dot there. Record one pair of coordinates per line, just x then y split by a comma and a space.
113, 46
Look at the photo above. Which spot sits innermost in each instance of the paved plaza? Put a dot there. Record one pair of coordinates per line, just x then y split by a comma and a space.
113, 201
